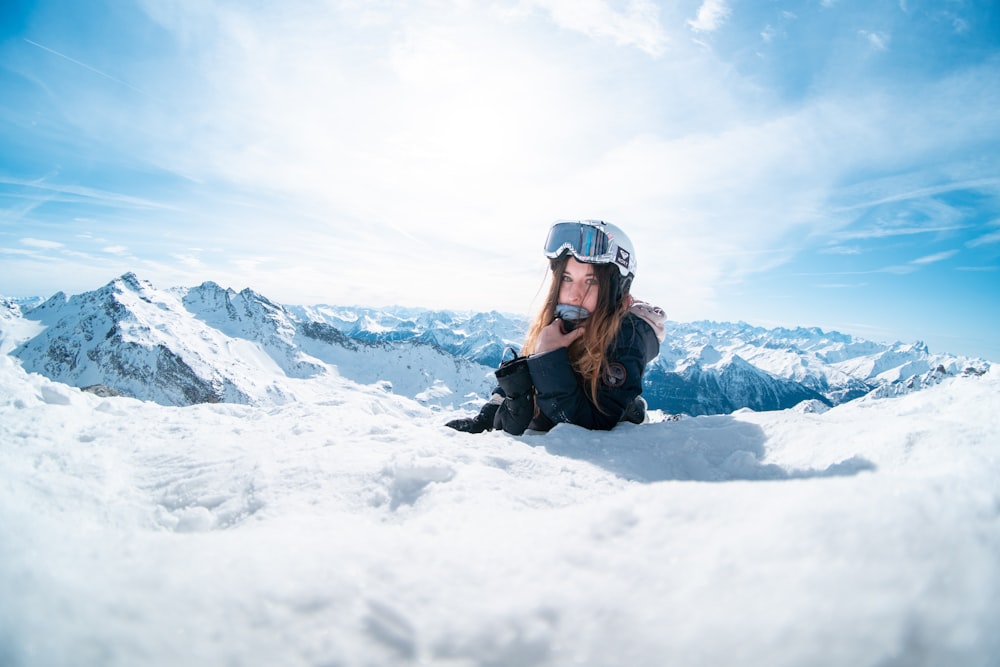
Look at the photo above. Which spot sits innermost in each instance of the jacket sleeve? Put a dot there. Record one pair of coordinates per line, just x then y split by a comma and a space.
561, 396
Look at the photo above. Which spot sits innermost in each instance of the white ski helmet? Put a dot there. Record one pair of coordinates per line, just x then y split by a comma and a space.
594, 242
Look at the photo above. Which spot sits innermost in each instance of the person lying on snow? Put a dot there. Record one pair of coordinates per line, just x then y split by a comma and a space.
586, 351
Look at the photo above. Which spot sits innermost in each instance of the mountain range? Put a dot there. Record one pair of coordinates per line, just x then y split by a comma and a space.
181, 346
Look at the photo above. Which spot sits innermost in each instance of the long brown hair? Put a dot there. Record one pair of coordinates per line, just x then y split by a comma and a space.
587, 353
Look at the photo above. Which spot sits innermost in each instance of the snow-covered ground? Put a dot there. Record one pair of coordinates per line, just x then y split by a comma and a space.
356, 530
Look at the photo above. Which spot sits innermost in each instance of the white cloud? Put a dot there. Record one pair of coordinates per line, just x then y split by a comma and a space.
436, 135
48, 190
882, 232
936, 257
985, 239
42, 244
878, 40
638, 25
711, 15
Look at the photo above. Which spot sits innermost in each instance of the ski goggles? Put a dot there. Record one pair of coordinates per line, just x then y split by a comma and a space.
587, 242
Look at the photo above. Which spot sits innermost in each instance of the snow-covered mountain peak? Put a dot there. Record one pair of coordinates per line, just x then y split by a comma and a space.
243, 314
212, 344
133, 282
738, 363
478, 337
228, 345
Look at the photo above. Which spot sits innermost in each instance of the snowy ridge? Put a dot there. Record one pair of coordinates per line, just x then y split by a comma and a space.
356, 530
479, 337
208, 344
722, 387
703, 367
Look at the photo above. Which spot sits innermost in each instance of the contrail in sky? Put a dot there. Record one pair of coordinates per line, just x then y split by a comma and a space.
86, 66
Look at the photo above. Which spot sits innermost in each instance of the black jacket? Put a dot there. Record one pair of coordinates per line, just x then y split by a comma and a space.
560, 393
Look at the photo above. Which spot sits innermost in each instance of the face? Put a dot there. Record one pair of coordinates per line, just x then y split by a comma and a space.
578, 285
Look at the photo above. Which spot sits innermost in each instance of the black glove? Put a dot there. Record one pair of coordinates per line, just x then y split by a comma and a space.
514, 377
518, 407
481, 422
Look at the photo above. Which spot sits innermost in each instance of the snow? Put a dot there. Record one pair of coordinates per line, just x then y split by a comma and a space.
354, 529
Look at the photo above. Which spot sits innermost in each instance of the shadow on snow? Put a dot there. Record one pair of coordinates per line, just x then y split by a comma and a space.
706, 449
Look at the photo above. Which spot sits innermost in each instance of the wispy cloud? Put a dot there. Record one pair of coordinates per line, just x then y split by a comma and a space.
919, 263
842, 285
711, 15
841, 250
877, 192
17, 251
50, 189
88, 67
985, 239
190, 260
637, 25
42, 244
877, 40
888, 231
936, 257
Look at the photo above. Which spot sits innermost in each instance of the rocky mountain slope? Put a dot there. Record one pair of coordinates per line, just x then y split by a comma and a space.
208, 344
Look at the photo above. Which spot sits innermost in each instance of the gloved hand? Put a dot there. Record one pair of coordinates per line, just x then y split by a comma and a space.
515, 414
514, 377
481, 422
518, 407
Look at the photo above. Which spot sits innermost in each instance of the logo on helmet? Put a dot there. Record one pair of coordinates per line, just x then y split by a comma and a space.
623, 257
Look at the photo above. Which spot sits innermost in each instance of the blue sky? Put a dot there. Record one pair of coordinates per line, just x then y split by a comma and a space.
826, 163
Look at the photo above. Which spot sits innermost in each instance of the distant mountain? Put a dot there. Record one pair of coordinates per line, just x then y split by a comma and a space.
209, 344
703, 367
478, 337
838, 367
729, 386
9, 309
